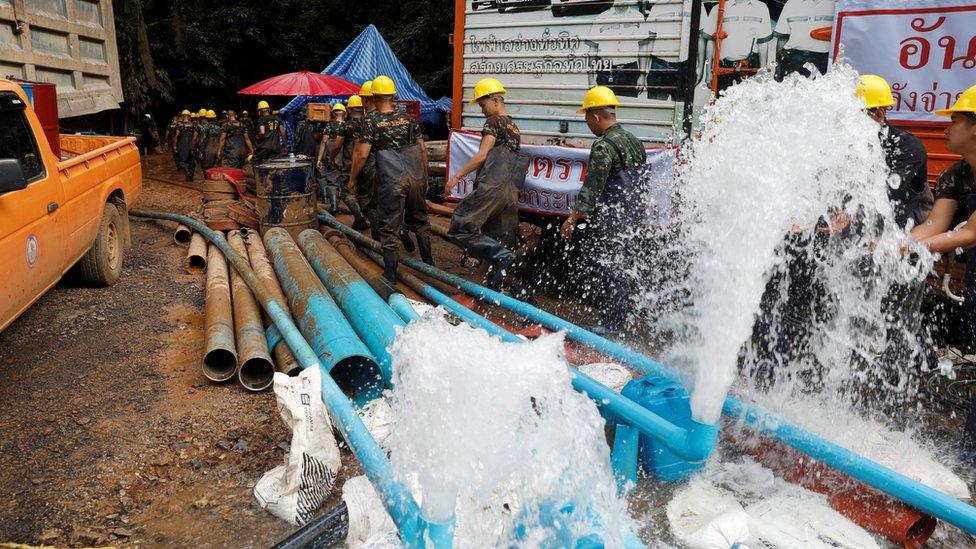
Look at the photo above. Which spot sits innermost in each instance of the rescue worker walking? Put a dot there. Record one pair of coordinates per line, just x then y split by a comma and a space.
271, 138
209, 140
231, 150
339, 160
246, 120
401, 164
365, 189
308, 136
486, 221
183, 145
612, 202
956, 192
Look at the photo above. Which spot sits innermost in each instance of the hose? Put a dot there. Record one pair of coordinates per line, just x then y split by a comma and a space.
329, 530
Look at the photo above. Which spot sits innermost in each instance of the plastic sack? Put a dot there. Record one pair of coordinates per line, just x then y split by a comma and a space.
294, 491
803, 519
703, 516
369, 523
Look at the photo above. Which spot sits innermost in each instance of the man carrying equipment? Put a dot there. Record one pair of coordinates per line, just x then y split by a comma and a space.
486, 221
401, 165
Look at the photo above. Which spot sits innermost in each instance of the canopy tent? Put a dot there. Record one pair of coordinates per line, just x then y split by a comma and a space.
364, 58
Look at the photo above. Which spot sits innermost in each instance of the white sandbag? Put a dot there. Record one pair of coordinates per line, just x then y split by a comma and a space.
294, 491
377, 415
369, 523
703, 516
799, 518
611, 374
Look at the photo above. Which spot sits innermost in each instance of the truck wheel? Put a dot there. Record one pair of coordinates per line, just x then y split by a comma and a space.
102, 265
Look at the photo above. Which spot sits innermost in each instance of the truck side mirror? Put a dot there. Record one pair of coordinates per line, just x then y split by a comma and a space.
12, 176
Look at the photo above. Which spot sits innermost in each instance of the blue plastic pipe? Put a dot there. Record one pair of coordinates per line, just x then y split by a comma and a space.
399, 503
402, 307
369, 315
894, 484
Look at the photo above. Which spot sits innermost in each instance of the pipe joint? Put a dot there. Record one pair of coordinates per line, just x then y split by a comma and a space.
700, 441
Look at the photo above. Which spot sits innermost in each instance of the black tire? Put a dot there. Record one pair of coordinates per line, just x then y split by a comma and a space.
102, 265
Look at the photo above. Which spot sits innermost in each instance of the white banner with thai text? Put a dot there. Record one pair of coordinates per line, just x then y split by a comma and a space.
925, 49
555, 175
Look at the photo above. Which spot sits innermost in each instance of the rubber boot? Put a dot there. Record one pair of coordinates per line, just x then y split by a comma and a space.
407, 242
426, 255
499, 265
390, 267
332, 195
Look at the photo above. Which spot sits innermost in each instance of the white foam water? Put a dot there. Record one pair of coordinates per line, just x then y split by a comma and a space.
494, 432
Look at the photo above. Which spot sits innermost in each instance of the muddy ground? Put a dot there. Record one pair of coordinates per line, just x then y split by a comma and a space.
109, 433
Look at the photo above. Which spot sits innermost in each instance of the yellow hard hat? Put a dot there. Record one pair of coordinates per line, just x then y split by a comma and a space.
599, 96
185, 113
355, 102
383, 85
966, 102
367, 89
263, 105
486, 86
339, 107
211, 114
248, 159
194, 115
202, 112
875, 91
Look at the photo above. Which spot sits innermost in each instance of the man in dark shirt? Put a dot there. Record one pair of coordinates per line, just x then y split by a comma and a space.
486, 220
271, 139
340, 157
955, 190
401, 165
613, 202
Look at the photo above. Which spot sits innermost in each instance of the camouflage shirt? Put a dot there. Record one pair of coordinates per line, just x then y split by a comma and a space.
337, 128
956, 182
389, 130
615, 150
504, 130
233, 129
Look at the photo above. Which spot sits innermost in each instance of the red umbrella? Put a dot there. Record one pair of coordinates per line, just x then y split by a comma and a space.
302, 83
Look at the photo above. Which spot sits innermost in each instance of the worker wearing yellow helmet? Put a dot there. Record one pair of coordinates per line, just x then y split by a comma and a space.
955, 191
338, 157
208, 138
184, 143
366, 95
271, 140
610, 200
401, 166
486, 221
365, 191
234, 145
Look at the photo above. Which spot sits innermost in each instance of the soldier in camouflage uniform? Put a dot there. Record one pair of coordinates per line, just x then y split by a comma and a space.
486, 221
271, 139
208, 141
184, 142
335, 158
365, 190
401, 163
613, 202
234, 136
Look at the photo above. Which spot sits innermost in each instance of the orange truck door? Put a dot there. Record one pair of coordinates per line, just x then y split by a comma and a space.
32, 238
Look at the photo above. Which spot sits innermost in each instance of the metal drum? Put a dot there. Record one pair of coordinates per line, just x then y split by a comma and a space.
285, 197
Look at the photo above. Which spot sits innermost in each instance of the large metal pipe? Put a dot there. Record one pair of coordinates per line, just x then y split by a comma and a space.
894, 484
401, 506
347, 360
220, 353
255, 370
195, 261
370, 316
284, 360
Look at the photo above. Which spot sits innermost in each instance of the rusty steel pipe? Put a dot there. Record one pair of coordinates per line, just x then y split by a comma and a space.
371, 272
195, 261
284, 359
255, 370
183, 234
220, 353
347, 360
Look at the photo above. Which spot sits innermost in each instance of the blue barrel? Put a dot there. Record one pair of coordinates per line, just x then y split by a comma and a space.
285, 196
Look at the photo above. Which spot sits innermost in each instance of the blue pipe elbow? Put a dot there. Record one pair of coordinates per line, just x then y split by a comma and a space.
700, 441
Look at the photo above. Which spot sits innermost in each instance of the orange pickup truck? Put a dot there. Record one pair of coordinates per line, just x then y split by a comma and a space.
59, 213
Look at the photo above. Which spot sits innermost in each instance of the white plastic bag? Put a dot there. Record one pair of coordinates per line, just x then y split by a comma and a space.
799, 518
369, 523
294, 491
703, 516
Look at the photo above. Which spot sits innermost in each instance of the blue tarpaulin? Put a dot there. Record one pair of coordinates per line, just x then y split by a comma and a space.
364, 58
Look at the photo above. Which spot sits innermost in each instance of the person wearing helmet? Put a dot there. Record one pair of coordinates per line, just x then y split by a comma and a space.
365, 190
184, 143
955, 192
271, 139
245, 119
148, 136
485, 222
339, 159
611, 201
210, 132
235, 142
401, 165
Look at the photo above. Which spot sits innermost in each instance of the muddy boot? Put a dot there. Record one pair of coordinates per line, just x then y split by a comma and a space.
407, 242
426, 255
499, 265
390, 267
332, 195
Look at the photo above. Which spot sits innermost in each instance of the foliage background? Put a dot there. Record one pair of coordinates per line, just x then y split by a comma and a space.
194, 53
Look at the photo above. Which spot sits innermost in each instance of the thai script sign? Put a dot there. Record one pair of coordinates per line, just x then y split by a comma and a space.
926, 51
555, 174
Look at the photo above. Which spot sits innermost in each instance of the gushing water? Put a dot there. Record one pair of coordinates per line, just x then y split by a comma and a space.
782, 202
495, 432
